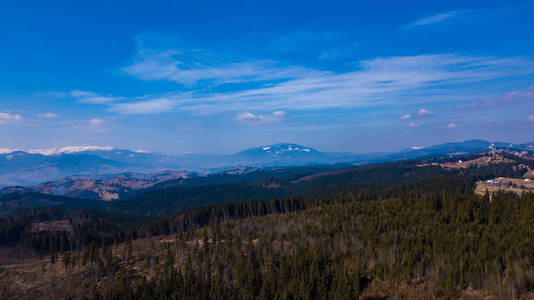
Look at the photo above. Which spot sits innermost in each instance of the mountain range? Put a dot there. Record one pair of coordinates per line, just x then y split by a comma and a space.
143, 168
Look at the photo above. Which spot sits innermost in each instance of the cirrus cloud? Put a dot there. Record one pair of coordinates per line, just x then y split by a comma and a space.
152, 106
265, 85
433, 19
453, 126
425, 112
175, 66
92, 98
252, 118
48, 115
515, 96
95, 125
379, 81
8, 117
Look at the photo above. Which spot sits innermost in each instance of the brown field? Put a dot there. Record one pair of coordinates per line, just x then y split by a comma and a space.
52, 226
515, 185
529, 174
478, 162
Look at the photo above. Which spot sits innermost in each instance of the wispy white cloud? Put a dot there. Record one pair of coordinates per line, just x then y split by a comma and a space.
530, 118
8, 117
81, 94
92, 98
51, 94
339, 52
279, 114
152, 106
413, 125
425, 112
382, 81
453, 126
420, 113
433, 19
95, 125
468, 105
248, 117
379, 81
516, 96
175, 66
48, 115
97, 122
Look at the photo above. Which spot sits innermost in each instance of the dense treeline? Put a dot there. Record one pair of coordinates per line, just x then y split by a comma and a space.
85, 227
218, 213
168, 201
171, 200
12, 201
104, 228
444, 240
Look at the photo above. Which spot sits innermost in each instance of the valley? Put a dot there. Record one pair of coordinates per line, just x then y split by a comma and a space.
409, 229
350, 230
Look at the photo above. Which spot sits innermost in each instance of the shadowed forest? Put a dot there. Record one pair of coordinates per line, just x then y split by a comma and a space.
409, 233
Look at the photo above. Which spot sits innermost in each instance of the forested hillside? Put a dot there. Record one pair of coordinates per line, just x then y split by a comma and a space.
378, 232
441, 245
13, 201
166, 199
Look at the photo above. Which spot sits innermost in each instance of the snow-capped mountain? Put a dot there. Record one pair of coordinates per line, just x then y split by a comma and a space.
279, 153
36, 166
40, 165
23, 168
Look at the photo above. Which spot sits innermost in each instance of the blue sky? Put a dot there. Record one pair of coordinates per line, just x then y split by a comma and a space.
218, 77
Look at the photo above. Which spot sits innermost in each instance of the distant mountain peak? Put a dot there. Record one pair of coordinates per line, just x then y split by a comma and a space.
281, 154
66, 150
285, 147
69, 150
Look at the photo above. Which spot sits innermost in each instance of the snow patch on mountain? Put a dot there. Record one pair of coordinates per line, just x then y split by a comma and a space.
63, 150
7, 150
49, 151
141, 151
280, 148
74, 149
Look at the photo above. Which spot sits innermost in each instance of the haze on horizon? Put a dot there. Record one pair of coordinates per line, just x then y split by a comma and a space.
183, 76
